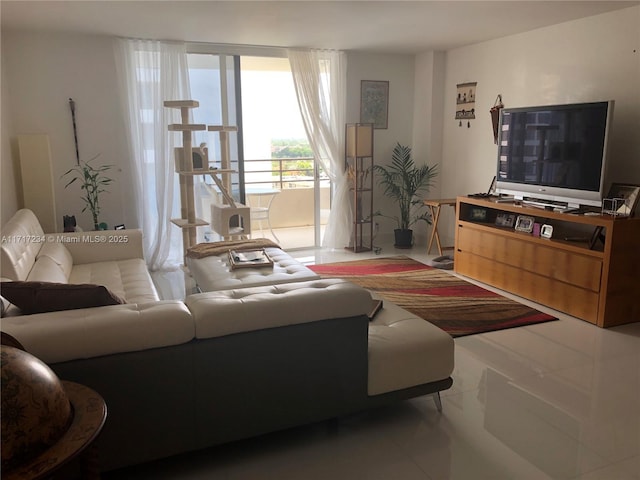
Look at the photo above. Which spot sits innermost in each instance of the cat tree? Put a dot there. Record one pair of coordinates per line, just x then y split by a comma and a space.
230, 219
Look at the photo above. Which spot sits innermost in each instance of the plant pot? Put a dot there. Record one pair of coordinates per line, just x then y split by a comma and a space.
404, 238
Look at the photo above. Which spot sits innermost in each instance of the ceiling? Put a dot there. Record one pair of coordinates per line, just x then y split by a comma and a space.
375, 26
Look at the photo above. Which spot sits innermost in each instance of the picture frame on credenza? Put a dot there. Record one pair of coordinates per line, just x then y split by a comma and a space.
478, 214
524, 223
622, 200
505, 220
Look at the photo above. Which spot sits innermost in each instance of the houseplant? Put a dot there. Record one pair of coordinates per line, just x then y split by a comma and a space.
403, 181
93, 182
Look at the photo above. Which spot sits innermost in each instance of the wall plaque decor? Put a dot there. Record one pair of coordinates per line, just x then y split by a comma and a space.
466, 102
495, 116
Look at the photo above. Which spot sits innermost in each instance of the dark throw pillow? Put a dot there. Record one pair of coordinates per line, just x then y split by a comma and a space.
41, 297
10, 341
4, 305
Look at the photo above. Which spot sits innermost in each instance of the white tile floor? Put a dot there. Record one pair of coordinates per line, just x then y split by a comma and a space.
555, 400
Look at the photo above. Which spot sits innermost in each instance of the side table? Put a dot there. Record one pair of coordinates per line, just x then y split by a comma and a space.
35, 444
435, 207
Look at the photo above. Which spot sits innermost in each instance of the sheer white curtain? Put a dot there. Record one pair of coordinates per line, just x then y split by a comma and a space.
151, 72
320, 81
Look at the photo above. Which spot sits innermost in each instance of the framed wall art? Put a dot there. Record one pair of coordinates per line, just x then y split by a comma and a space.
374, 103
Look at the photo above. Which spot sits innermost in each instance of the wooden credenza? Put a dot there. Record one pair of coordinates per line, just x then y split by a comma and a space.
597, 281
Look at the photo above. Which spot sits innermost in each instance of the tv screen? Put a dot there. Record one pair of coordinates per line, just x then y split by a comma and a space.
555, 153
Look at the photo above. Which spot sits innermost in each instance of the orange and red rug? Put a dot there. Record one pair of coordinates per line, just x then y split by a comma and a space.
455, 305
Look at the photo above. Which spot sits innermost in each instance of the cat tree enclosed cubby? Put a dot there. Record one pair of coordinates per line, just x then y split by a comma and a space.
229, 219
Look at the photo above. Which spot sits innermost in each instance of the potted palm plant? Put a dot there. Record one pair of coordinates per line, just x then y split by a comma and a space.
92, 182
405, 182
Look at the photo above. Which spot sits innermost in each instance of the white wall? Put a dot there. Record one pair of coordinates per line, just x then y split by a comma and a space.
42, 71
398, 70
592, 59
8, 187
428, 111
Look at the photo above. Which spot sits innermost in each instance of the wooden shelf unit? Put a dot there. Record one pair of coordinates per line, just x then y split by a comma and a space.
597, 282
359, 167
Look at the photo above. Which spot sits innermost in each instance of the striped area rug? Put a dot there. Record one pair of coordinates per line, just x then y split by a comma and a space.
455, 305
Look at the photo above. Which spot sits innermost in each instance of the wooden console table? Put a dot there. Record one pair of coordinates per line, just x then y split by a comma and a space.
434, 207
595, 279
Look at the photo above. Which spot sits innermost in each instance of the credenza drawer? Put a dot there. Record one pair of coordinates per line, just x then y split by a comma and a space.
571, 299
547, 261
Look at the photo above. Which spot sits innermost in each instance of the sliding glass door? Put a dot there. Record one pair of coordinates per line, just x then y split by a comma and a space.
278, 161
276, 172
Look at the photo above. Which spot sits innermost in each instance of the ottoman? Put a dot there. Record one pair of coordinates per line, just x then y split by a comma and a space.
213, 273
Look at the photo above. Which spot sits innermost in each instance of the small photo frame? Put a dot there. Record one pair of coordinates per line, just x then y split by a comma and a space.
478, 214
505, 220
626, 199
374, 103
524, 224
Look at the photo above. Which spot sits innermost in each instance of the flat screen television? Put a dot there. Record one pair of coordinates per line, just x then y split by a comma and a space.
555, 153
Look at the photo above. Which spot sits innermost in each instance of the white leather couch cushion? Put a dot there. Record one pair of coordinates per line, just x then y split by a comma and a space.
22, 238
103, 246
213, 273
234, 311
46, 270
405, 350
129, 279
59, 254
93, 332
53, 264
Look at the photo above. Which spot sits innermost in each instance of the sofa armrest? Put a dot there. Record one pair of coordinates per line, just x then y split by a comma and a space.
102, 246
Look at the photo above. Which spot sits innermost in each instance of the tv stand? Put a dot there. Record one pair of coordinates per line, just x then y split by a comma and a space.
593, 281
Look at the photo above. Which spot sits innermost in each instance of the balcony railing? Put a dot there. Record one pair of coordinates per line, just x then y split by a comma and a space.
282, 176
293, 205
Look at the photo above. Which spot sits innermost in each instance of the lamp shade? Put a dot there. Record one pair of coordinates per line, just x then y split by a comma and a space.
359, 139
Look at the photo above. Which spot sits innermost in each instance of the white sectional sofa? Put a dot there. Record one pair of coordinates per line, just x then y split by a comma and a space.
222, 365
